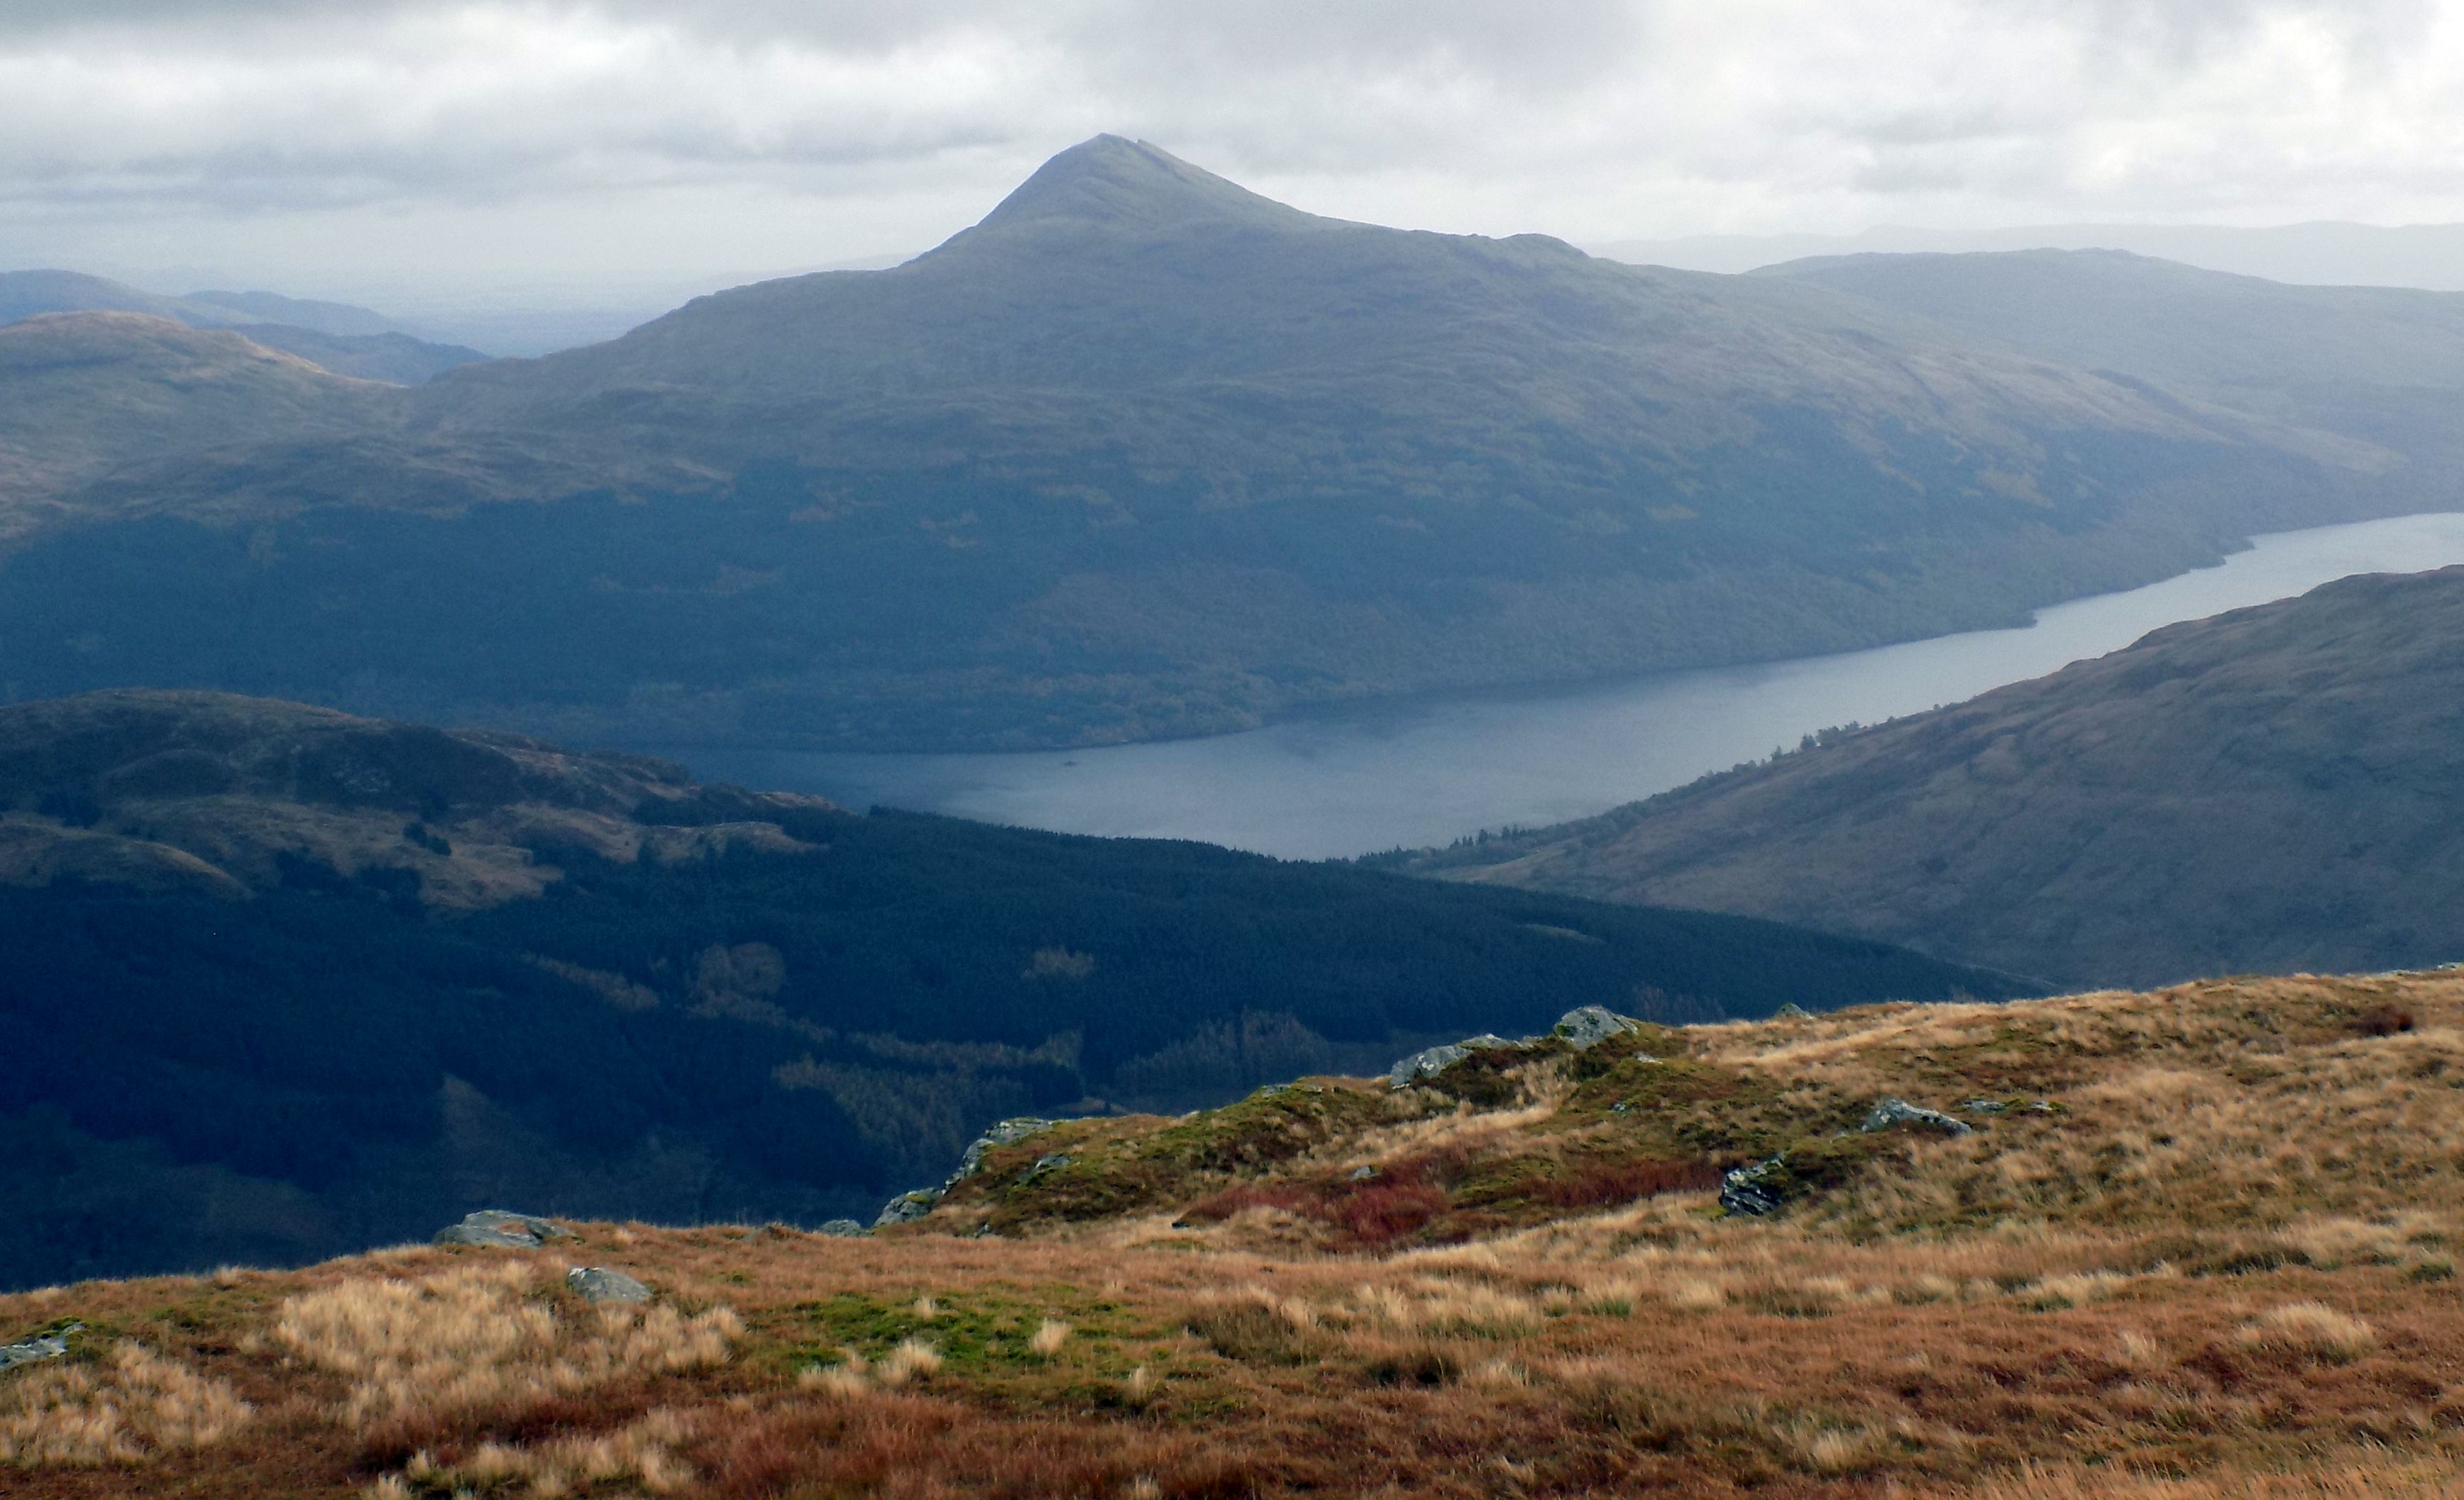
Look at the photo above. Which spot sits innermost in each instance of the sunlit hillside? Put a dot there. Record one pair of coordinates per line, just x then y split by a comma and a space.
2196, 1243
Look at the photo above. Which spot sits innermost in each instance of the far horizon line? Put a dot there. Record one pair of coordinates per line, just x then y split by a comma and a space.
191, 281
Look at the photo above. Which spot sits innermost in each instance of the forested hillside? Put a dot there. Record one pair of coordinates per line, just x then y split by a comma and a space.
282, 982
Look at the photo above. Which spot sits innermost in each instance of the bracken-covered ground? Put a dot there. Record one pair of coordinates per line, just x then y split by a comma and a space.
2199, 1243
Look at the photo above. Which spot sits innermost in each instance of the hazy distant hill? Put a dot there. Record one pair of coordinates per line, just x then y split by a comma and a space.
2321, 253
1143, 454
345, 339
2271, 790
2380, 363
88, 395
282, 982
395, 358
339, 318
29, 294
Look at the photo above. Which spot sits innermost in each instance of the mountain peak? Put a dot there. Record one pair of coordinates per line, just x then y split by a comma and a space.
1115, 182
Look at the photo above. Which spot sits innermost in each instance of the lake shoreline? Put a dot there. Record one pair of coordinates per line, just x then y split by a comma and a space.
1422, 770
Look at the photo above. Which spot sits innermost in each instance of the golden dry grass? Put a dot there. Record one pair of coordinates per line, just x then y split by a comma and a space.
640, 1456
123, 1410
1050, 1336
2380, 1478
479, 1337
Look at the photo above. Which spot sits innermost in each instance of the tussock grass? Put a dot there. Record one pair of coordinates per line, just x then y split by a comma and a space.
910, 1360
640, 1456
127, 1407
479, 1338
2309, 1331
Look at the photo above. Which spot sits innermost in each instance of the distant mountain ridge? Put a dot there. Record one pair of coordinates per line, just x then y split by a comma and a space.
339, 318
349, 340
2271, 790
1142, 454
2429, 256
2380, 365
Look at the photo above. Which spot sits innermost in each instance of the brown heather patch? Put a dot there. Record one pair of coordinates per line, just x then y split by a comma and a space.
2221, 1267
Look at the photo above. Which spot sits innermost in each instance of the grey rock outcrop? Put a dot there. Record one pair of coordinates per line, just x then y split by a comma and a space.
842, 1229
39, 1348
597, 1284
1589, 1026
920, 1202
1582, 1028
1431, 1061
503, 1228
909, 1205
1756, 1190
1008, 1133
1899, 1111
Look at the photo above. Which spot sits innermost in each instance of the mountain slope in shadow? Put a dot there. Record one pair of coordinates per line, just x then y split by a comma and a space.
2271, 790
1141, 454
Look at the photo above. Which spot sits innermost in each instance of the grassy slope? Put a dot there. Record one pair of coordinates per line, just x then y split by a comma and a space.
2266, 791
2222, 1265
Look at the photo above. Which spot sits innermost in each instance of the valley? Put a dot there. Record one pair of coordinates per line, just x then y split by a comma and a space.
1030, 490
743, 758
1422, 772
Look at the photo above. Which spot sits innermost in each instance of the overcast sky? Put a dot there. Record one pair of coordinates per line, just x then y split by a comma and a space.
349, 146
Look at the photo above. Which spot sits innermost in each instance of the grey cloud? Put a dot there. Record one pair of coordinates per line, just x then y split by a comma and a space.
1546, 114
2180, 34
52, 17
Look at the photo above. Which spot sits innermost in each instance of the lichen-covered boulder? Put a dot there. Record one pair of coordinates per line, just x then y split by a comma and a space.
1582, 1028
907, 1206
1431, 1061
1899, 1111
1008, 1133
1756, 1190
916, 1205
1589, 1026
503, 1228
39, 1348
597, 1284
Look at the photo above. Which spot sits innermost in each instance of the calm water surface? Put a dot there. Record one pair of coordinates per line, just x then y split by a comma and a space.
1425, 770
